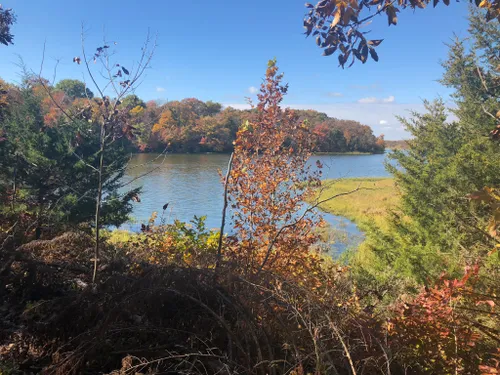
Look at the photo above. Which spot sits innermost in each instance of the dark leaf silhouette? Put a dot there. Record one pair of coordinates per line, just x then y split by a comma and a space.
329, 51
375, 42
373, 54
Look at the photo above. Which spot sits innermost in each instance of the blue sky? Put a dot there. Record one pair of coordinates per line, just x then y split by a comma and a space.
218, 50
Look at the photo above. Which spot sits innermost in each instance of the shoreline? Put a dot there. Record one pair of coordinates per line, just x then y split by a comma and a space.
352, 153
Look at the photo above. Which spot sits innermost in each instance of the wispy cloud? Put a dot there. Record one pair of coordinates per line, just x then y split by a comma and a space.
160, 89
253, 90
382, 122
334, 94
372, 99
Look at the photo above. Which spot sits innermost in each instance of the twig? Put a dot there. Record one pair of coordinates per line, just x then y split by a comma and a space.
148, 172
308, 210
342, 342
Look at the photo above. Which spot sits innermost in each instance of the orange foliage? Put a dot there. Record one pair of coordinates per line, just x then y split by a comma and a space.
166, 127
52, 105
446, 328
267, 186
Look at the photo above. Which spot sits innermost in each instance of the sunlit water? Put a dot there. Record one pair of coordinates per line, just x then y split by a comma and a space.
191, 185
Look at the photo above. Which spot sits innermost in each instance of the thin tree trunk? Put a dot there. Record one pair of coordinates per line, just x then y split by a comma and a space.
97, 221
223, 223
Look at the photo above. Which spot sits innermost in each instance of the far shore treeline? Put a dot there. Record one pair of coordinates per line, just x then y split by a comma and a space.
191, 125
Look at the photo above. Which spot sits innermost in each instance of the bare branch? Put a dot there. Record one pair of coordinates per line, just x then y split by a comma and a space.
224, 208
308, 210
146, 173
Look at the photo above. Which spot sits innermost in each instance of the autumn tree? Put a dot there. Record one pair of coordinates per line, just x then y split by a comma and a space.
268, 184
166, 128
219, 131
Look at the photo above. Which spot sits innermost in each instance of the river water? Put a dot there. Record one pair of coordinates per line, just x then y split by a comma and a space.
191, 185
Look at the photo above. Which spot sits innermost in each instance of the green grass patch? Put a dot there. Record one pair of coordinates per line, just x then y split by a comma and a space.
368, 205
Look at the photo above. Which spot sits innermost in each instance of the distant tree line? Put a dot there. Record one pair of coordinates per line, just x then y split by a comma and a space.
397, 145
191, 125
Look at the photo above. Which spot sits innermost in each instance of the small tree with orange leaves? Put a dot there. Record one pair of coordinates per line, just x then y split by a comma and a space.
268, 183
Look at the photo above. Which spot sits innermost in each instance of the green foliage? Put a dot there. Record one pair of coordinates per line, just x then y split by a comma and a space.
184, 244
131, 101
74, 89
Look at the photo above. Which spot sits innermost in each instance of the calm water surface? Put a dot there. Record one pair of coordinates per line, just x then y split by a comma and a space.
191, 185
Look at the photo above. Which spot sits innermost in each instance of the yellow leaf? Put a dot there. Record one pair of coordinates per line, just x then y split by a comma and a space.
336, 18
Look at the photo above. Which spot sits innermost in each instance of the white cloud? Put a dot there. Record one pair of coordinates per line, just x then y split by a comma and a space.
371, 99
160, 89
382, 122
335, 94
253, 90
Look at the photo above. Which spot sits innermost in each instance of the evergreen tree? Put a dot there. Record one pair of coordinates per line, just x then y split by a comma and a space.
74, 88
47, 172
437, 227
